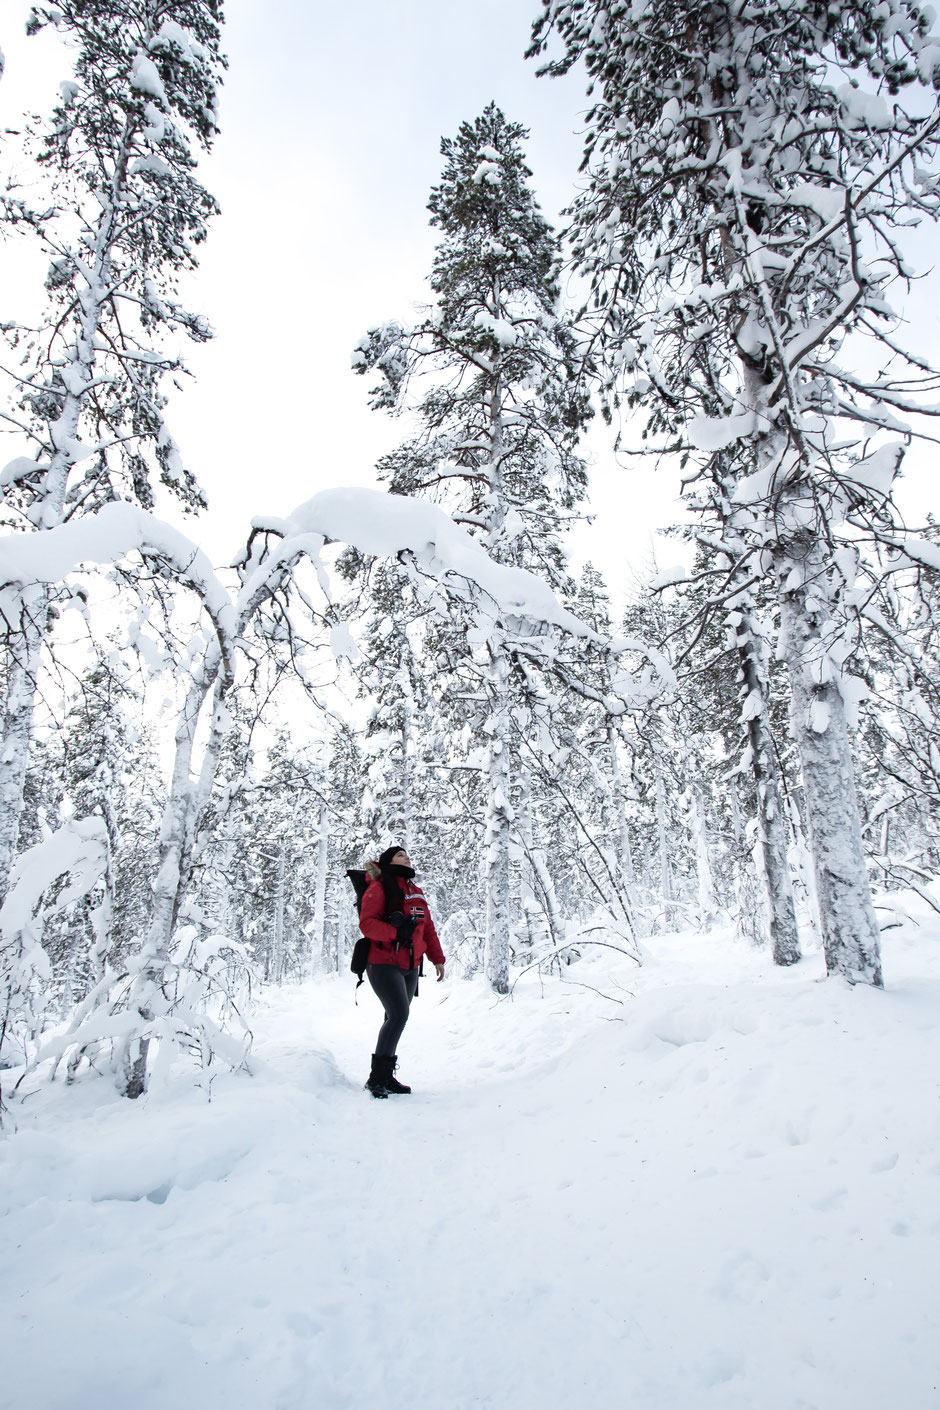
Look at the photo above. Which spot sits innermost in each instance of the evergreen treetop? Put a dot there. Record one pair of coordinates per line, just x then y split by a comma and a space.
506, 400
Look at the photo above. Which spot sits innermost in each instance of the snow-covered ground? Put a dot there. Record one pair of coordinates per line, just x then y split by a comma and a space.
717, 1191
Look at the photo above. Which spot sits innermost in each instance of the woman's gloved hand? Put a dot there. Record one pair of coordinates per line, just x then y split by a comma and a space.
405, 925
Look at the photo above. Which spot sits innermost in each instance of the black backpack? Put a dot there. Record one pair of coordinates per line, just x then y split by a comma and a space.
360, 954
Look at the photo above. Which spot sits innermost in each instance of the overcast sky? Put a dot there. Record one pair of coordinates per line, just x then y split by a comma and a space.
331, 120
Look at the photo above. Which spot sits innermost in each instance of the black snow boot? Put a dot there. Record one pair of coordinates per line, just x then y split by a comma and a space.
377, 1081
392, 1083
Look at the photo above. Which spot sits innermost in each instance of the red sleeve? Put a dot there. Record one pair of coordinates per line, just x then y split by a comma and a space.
371, 923
435, 952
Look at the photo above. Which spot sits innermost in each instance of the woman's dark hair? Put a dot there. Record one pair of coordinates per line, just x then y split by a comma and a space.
394, 895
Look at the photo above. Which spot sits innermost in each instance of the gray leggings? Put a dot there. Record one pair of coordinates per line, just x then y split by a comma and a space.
395, 988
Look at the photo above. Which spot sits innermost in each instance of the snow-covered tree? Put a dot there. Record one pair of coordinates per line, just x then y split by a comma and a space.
92, 804
109, 772
750, 173
392, 677
126, 216
723, 625
490, 371
179, 989
578, 796
899, 745
264, 869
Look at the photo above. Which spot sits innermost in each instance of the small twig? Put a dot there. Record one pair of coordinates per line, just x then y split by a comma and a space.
571, 945
580, 984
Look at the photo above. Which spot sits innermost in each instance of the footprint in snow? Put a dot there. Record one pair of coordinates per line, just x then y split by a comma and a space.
797, 1131
833, 1200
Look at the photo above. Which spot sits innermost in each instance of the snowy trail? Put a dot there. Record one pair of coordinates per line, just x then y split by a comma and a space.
726, 1197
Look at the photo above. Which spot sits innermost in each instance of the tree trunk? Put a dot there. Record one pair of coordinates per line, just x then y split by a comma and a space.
176, 834
133, 1075
499, 813
407, 731
77, 377
176, 826
618, 849
850, 933
665, 867
499, 818
772, 823
318, 946
545, 887
749, 892
18, 724
705, 880
625, 868
277, 949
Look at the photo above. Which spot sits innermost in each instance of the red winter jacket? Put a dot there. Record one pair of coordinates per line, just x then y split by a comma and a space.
383, 935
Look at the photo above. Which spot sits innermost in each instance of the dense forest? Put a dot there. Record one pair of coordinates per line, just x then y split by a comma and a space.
193, 755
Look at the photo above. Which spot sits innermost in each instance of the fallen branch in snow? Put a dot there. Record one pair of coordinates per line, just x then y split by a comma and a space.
576, 943
889, 866
580, 984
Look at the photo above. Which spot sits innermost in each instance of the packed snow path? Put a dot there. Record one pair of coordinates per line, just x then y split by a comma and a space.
727, 1196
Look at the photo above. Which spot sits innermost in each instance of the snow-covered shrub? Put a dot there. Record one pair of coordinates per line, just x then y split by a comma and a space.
136, 1020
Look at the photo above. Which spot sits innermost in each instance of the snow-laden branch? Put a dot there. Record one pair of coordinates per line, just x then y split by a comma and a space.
376, 523
49, 555
78, 849
854, 199
384, 525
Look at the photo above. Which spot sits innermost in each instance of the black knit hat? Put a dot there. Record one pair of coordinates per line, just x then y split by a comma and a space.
386, 858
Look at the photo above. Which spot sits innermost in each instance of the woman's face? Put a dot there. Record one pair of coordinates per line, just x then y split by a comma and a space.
401, 858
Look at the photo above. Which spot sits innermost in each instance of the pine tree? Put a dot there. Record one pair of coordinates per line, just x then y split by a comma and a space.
742, 185
126, 218
499, 424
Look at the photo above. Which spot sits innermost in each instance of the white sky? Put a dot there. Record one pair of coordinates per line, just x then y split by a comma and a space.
331, 121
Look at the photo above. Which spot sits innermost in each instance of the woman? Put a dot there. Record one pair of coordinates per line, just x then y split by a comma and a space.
394, 916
